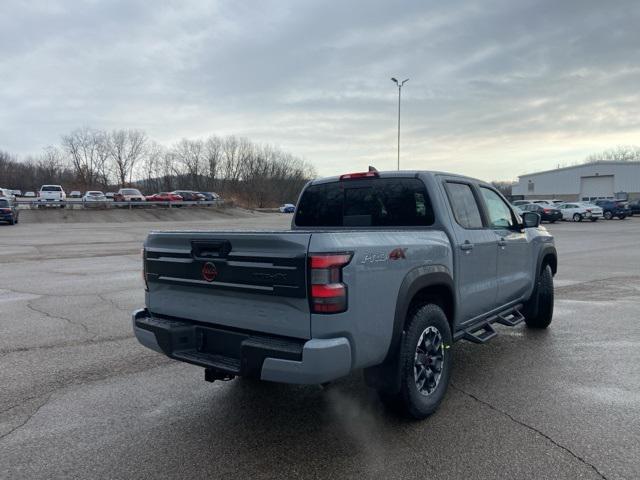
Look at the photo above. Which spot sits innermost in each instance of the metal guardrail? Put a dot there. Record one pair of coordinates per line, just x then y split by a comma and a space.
109, 204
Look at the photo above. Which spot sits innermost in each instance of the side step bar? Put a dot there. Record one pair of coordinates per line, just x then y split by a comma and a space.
510, 319
481, 335
483, 331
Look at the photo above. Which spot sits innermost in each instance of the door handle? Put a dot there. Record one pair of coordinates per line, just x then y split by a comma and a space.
466, 246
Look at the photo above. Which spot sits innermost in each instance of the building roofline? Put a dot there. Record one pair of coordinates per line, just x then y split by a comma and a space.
603, 162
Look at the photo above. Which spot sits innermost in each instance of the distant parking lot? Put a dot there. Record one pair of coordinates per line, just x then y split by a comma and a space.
80, 398
77, 203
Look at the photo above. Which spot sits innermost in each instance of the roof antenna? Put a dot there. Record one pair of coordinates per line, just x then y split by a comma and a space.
372, 168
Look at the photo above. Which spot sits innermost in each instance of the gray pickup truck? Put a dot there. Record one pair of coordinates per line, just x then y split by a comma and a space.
381, 271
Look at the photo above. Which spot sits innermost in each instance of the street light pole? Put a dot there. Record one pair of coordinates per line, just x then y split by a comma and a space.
400, 84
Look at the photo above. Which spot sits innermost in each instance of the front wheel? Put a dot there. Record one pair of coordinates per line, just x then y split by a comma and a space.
538, 311
425, 363
608, 215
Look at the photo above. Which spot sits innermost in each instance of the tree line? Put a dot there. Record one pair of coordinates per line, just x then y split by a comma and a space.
253, 174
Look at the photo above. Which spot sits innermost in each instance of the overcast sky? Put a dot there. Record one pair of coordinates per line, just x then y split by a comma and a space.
496, 89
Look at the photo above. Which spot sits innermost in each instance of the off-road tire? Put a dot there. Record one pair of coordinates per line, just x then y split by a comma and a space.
538, 312
409, 400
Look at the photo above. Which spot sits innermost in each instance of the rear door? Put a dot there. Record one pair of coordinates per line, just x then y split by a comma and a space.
250, 281
513, 251
475, 251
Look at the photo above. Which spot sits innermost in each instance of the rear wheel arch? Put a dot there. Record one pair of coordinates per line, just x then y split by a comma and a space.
428, 284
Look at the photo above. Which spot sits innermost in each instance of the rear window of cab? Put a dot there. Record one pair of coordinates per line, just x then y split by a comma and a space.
371, 202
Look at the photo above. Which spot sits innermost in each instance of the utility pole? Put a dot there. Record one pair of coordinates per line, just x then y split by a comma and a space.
400, 84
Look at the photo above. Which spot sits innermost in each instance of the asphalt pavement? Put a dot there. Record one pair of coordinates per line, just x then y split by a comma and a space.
80, 398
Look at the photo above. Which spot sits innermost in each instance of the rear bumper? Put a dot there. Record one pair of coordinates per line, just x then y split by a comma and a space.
251, 354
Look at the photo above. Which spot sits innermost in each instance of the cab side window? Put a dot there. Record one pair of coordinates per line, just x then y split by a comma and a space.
500, 215
464, 205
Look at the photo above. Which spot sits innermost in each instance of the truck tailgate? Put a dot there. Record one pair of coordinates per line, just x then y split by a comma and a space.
245, 280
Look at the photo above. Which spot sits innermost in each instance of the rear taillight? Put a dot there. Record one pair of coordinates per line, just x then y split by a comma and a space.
5, 210
327, 293
144, 269
546, 210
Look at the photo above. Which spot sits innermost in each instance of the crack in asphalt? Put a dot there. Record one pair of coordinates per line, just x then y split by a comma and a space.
74, 256
87, 379
533, 429
91, 341
111, 302
48, 315
29, 417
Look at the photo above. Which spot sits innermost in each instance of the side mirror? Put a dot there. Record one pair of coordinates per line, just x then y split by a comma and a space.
531, 219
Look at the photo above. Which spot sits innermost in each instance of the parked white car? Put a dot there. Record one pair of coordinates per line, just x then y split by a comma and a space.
30, 195
52, 194
94, 196
578, 211
5, 192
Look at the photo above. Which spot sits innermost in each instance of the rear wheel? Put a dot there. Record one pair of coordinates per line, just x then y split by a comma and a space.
622, 217
577, 217
595, 219
608, 215
538, 311
425, 363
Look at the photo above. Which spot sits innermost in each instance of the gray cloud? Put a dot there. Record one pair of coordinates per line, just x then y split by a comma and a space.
497, 88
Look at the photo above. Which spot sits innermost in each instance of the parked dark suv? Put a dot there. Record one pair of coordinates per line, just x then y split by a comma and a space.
613, 208
547, 213
634, 207
9, 211
189, 195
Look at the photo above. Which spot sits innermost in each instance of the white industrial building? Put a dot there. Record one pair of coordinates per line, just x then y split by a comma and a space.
582, 182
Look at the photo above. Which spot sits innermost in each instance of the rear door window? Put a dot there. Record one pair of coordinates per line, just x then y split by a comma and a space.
464, 205
378, 202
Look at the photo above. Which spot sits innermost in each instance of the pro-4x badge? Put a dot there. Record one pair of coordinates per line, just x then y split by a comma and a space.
209, 272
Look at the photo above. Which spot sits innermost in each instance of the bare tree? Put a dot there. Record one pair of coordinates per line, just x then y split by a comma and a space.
213, 148
125, 149
87, 153
190, 156
622, 153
